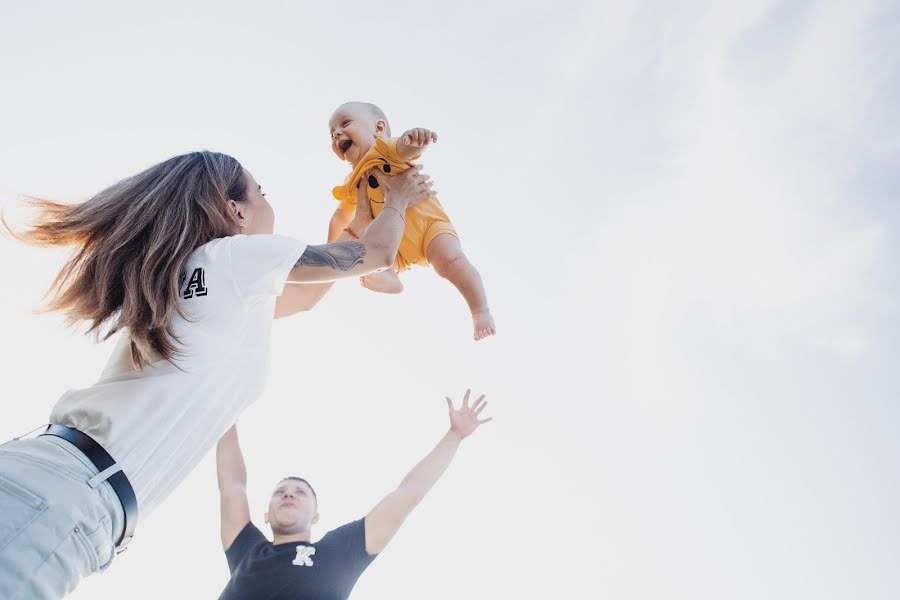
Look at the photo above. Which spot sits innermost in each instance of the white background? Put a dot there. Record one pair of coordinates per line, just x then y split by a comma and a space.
686, 218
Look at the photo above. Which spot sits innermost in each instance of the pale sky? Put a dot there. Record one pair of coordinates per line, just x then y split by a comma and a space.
685, 215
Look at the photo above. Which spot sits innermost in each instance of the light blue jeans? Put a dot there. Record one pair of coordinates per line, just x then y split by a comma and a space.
55, 525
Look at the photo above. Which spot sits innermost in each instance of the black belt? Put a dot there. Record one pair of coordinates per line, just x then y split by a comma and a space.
102, 460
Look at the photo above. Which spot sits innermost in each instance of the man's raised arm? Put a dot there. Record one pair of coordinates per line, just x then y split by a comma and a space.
385, 519
232, 476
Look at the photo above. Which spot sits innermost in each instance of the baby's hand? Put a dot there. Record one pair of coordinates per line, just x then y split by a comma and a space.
418, 137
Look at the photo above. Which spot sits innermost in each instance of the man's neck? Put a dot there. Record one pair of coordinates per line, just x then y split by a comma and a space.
303, 536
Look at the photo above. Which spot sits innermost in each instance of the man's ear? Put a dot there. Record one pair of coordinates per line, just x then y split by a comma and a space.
266, 517
315, 519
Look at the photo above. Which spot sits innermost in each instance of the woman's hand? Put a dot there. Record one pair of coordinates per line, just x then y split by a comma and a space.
405, 189
400, 192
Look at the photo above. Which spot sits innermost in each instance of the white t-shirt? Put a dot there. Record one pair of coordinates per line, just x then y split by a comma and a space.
160, 422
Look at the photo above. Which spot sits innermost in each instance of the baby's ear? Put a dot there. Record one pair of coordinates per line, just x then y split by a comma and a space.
380, 128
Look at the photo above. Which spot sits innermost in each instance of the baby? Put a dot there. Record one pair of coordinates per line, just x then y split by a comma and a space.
360, 134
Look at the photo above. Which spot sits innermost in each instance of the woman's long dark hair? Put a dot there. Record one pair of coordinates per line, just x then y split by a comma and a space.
132, 241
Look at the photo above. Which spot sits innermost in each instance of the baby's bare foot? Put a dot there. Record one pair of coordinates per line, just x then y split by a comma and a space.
384, 282
484, 324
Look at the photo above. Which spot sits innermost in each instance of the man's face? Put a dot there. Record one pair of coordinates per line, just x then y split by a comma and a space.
353, 129
292, 508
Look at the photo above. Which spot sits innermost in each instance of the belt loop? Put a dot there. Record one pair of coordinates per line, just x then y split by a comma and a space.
25, 435
110, 471
103, 475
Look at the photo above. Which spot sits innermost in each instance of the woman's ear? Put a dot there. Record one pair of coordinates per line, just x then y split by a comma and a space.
235, 214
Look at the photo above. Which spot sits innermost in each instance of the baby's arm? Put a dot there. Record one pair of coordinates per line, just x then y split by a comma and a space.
413, 142
339, 220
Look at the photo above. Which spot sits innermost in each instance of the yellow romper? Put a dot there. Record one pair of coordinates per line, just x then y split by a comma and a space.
424, 221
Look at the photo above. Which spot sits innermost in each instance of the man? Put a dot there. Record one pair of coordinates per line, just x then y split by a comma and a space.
291, 566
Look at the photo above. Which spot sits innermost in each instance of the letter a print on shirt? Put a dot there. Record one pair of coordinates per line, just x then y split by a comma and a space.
196, 285
304, 556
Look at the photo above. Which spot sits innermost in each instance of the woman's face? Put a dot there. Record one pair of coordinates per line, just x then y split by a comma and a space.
255, 212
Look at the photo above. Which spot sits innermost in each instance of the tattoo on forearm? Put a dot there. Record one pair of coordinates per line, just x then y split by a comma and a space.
339, 255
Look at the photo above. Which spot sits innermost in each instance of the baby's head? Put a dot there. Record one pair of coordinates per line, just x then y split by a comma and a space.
354, 126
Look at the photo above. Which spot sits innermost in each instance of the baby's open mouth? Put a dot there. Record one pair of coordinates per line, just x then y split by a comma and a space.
345, 145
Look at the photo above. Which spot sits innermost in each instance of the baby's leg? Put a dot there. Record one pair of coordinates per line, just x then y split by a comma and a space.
446, 256
385, 282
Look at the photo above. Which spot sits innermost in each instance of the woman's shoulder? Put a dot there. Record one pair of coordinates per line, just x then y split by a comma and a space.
218, 243
252, 253
243, 240
220, 248
212, 246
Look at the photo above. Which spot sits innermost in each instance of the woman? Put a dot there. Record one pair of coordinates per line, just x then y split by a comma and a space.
182, 261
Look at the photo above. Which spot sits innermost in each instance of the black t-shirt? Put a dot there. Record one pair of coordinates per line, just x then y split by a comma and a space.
326, 570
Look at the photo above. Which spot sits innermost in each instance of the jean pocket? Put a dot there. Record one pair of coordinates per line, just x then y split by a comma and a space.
18, 508
96, 539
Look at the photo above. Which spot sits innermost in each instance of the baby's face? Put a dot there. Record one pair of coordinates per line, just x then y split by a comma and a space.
353, 130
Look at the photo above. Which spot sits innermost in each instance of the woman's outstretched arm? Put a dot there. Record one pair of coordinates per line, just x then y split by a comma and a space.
376, 247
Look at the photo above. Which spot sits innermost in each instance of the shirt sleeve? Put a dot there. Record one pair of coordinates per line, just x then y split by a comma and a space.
261, 263
249, 537
350, 539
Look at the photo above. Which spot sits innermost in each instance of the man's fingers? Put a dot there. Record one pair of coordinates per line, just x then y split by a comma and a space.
483, 421
449, 403
466, 399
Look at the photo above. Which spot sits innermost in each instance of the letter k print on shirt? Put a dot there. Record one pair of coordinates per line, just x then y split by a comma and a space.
304, 556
